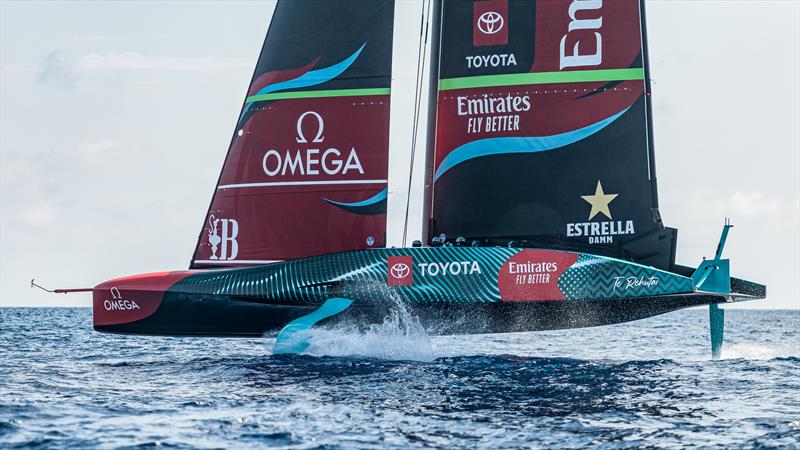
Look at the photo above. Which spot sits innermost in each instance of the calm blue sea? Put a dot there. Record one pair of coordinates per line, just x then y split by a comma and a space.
649, 383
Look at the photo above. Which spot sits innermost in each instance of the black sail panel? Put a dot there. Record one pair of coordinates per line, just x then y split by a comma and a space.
542, 128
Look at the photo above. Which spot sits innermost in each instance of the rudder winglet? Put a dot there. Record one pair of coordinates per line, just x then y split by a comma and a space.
293, 338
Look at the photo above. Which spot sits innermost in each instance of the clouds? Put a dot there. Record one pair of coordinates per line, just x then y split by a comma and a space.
125, 61
38, 216
132, 37
56, 69
777, 212
53, 69
92, 150
753, 203
743, 203
115, 119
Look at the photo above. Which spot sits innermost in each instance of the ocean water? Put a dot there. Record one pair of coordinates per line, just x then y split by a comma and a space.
649, 383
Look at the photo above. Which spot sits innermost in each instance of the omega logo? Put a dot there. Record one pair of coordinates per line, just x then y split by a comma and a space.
117, 303
301, 139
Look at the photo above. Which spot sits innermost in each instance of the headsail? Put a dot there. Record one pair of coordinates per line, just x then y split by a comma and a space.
543, 128
306, 171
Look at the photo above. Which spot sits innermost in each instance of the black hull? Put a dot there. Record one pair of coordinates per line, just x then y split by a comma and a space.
451, 290
186, 316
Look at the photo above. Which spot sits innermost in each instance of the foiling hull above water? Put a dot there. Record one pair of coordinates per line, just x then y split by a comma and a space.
453, 290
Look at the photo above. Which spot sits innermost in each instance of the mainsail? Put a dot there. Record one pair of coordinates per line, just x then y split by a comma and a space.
542, 128
306, 170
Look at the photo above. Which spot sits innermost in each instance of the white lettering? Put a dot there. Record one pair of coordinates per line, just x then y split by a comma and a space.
307, 162
271, 173
230, 229
576, 59
337, 163
120, 305
292, 164
600, 232
454, 268
626, 283
353, 162
495, 60
312, 161
492, 105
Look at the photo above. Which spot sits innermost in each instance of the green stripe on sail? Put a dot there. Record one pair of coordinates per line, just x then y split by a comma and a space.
513, 79
316, 94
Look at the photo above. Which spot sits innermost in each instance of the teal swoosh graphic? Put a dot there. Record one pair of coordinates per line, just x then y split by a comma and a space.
523, 144
370, 201
310, 78
314, 77
364, 207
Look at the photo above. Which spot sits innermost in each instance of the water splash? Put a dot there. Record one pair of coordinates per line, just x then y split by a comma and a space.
399, 337
759, 351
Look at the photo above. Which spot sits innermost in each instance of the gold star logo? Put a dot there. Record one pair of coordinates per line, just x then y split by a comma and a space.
599, 201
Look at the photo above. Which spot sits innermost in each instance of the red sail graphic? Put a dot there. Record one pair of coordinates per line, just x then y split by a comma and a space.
306, 172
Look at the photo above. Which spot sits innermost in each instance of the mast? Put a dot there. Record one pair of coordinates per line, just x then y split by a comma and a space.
433, 95
649, 104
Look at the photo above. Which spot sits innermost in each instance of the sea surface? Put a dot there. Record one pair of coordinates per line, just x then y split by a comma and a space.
649, 383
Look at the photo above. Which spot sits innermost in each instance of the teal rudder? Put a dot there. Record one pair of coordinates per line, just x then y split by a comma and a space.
715, 276
716, 317
294, 337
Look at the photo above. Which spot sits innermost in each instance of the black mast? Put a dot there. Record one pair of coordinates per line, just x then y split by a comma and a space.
648, 102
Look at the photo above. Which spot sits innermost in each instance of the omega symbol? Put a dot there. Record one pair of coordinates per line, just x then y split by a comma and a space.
301, 138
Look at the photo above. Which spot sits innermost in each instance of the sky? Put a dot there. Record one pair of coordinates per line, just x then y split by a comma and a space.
115, 118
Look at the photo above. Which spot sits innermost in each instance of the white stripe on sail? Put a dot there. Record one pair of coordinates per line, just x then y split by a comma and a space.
299, 183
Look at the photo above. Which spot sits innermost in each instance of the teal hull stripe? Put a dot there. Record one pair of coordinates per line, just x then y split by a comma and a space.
363, 275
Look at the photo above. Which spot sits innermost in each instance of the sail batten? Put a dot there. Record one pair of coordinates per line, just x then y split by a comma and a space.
319, 94
514, 79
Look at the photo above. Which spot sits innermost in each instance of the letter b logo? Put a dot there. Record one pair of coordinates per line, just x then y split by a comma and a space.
229, 244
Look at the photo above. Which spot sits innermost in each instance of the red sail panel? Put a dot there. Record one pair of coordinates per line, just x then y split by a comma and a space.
306, 172
542, 127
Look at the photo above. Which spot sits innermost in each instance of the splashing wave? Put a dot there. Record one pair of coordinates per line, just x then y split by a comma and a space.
399, 337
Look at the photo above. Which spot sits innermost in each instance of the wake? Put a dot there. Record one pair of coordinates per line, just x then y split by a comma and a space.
400, 336
758, 351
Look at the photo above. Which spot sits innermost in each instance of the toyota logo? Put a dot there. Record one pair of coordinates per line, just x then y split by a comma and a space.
400, 270
490, 22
